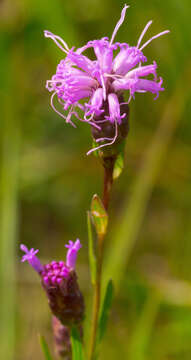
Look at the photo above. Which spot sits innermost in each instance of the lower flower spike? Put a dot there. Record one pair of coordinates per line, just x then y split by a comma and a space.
59, 280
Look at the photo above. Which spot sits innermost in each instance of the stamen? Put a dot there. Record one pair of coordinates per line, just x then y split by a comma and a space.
53, 107
101, 121
58, 112
68, 118
103, 139
81, 107
83, 48
109, 143
62, 102
87, 121
154, 37
120, 22
48, 34
143, 33
90, 118
124, 103
127, 102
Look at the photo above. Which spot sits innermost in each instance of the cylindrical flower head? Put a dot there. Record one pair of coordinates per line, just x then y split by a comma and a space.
59, 281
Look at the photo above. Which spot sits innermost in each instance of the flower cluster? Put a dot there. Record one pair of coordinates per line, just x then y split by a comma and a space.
59, 280
91, 86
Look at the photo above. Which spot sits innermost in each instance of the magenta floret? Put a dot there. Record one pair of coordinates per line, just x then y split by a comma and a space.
31, 258
73, 248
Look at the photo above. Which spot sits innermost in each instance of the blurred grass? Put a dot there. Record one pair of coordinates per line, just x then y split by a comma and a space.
134, 207
139, 343
148, 250
8, 226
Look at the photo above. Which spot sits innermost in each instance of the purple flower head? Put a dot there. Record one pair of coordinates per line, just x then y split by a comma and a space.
94, 87
59, 280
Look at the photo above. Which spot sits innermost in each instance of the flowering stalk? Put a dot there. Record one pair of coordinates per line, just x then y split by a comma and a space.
92, 91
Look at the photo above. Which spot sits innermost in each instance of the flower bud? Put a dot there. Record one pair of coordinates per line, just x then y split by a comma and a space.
59, 281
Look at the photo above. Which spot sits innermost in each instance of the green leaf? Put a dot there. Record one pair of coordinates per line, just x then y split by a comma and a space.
119, 165
92, 258
99, 215
77, 350
45, 348
105, 311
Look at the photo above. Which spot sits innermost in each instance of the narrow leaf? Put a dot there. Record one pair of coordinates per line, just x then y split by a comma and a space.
92, 258
119, 165
45, 348
99, 215
105, 311
77, 350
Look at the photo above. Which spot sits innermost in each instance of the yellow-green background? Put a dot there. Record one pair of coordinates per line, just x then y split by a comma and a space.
47, 180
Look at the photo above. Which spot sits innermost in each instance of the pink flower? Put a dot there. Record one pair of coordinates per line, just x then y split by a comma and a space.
101, 81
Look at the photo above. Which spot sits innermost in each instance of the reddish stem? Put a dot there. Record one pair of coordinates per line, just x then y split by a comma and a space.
108, 181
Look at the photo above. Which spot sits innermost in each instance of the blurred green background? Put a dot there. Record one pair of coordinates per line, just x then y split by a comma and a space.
47, 180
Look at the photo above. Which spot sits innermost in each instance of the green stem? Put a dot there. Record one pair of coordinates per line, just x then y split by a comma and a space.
108, 180
97, 297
